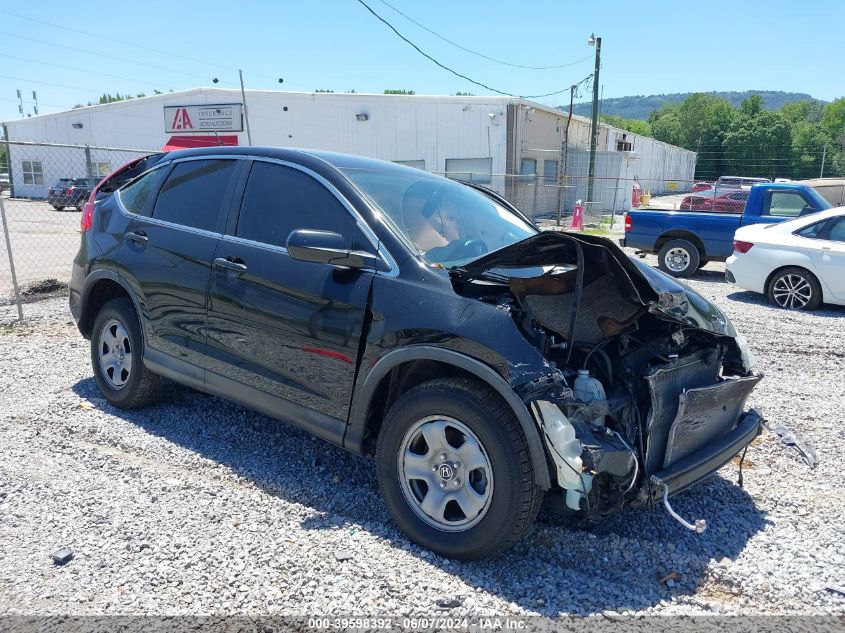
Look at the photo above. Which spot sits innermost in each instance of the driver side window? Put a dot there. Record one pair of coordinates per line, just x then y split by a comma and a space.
783, 204
280, 199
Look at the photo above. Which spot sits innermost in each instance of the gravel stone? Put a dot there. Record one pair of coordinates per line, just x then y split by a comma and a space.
343, 554
199, 506
62, 556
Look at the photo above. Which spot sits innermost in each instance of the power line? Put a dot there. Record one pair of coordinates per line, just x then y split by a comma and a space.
114, 39
104, 55
170, 54
446, 68
54, 85
482, 55
75, 69
40, 103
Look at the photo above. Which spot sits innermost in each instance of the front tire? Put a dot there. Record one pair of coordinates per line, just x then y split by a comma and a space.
117, 351
794, 288
679, 258
455, 470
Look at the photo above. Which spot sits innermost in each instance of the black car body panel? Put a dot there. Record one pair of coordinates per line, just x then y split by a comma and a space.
329, 347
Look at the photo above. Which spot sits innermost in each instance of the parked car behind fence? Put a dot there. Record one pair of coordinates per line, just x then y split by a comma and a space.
71, 192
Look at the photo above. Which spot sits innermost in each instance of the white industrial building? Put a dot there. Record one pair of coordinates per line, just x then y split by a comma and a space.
515, 146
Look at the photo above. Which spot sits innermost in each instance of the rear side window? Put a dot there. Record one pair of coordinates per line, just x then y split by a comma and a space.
837, 231
138, 196
193, 193
811, 231
280, 199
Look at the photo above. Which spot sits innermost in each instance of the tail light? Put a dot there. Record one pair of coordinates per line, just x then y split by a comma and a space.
742, 247
68, 191
87, 219
629, 224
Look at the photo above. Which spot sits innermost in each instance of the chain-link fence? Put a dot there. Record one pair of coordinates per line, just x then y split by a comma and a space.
47, 186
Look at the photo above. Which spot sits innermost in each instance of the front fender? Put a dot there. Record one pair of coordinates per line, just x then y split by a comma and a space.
366, 389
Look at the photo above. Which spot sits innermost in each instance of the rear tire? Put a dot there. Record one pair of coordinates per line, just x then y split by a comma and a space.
455, 470
117, 350
57, 208
794, 288
679, 258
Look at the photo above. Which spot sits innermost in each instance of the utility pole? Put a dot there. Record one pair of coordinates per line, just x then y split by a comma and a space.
35, 99
824, 155
246, 114
594, 128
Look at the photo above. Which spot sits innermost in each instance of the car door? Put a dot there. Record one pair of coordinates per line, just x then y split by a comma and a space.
285, 328
827, 251
168, 249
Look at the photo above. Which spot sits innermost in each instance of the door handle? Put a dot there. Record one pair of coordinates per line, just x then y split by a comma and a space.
231, 263
139, 237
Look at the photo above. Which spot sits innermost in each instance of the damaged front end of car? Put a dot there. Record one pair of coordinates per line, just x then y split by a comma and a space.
648, 381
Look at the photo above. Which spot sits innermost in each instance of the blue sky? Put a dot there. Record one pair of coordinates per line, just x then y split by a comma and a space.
648, 47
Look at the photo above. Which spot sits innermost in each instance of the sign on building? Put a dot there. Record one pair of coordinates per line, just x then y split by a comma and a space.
220, 117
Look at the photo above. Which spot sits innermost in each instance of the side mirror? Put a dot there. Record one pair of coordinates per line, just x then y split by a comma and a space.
327, 247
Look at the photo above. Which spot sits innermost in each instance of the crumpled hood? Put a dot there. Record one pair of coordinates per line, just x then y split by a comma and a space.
664, 295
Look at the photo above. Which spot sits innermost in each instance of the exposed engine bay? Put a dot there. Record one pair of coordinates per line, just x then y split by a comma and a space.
650, 379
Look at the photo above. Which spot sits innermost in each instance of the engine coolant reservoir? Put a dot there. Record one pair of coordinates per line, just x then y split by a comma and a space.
588, 389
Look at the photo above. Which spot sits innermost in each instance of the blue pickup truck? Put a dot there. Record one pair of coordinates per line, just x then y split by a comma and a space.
686, 240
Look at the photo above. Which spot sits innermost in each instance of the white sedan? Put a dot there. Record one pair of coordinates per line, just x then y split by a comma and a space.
797, 264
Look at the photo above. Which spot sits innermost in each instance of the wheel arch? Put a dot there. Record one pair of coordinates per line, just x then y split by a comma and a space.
681, 234
102, 286
401, 369
793, 265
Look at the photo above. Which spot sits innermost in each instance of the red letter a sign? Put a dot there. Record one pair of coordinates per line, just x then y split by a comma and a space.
182, 121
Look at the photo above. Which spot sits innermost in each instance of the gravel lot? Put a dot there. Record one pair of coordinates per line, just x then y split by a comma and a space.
200, 506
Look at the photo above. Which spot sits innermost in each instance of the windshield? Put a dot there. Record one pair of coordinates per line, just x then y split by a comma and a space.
446, 222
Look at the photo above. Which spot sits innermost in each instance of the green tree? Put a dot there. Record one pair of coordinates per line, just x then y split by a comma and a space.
833, 119
751, 106
758, 142
666, 125
323, 90
802, 112
809, 141
399, 92
631, 125
464, 94
699, 123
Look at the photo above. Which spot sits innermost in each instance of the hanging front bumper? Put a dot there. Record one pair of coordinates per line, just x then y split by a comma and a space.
691, 469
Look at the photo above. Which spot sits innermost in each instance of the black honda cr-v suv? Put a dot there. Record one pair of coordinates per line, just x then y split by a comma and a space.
484, 363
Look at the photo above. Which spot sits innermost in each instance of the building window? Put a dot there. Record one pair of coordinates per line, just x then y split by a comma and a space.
478, 170
100, 168
550, 172
416, 164
624, 145
33, 172
527, 169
